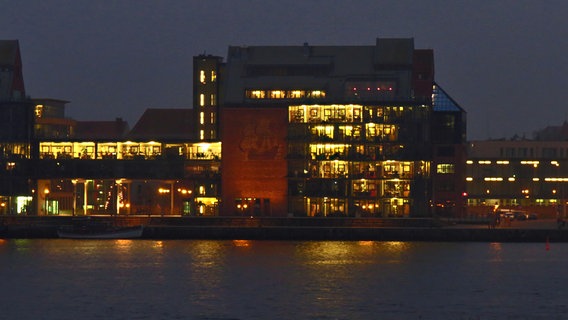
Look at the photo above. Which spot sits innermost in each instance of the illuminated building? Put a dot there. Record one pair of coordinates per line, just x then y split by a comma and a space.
335, 131
528, 175
339, 131
53, 165
16, 130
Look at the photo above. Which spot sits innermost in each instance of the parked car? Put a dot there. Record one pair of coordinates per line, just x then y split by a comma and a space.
507, 215
520, 215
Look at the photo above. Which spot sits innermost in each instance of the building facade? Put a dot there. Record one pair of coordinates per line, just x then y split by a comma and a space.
312, 131
362, 132
527, 175
16, 131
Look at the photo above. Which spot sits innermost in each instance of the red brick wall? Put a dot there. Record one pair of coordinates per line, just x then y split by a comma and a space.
254, 159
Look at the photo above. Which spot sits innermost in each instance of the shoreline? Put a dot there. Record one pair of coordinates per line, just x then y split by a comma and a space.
301, 229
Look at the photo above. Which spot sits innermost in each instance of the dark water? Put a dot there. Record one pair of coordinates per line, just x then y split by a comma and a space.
144, 279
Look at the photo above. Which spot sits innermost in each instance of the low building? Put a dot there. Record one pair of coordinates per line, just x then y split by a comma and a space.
519, 174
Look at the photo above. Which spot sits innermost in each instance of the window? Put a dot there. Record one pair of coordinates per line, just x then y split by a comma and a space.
371, 90
38, 111
202, 76
201, 117
445, 168
201, 134
202, 100
212, 117
256, 94
296, 94
213, 102
213, 76
284, 94
277, 94
316, 94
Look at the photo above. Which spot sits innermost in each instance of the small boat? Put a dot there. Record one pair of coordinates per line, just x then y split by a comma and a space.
109, 233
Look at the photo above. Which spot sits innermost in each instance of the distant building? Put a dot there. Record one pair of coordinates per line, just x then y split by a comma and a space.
16, 129
553, 133
334, 131
527, 175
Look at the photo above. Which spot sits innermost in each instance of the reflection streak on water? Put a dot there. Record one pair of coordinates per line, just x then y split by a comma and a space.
280, 280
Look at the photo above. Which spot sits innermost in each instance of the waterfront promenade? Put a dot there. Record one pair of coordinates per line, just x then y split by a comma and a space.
268, 228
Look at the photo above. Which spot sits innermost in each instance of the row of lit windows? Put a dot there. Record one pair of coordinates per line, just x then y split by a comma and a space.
212, 100
326, 113
350, 113
203, 76
364, 170
212, 134
445, 168
14, 150
127, 150
202, 118
534, 163
373, 131
284, 94
513, 179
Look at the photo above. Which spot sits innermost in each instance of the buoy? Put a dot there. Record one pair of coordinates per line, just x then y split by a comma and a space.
547, 244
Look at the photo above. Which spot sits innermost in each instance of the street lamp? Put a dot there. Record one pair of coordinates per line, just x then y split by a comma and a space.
74, 182
163, 191
45, 195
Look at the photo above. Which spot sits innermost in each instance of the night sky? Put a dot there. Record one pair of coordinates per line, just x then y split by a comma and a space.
504, 62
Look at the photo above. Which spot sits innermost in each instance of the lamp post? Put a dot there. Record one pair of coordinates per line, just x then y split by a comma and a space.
163, 192
45, 196
74, 181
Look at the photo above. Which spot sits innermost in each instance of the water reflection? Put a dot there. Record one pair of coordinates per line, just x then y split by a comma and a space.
280, 280
242, 243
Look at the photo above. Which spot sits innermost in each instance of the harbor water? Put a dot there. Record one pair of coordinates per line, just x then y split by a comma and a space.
240, 279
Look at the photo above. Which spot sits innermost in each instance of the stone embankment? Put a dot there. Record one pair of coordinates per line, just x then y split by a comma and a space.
265, 228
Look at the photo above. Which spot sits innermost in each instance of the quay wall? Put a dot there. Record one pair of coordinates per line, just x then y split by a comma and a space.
340, 229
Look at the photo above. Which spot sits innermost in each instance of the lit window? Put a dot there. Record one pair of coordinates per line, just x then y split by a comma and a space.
213, 102
256, 94
317, 94
277, 94
212, 117
445, 168
202, 76
213, 76
201, 117
38, 110
201, 134
202, 100
297, 94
